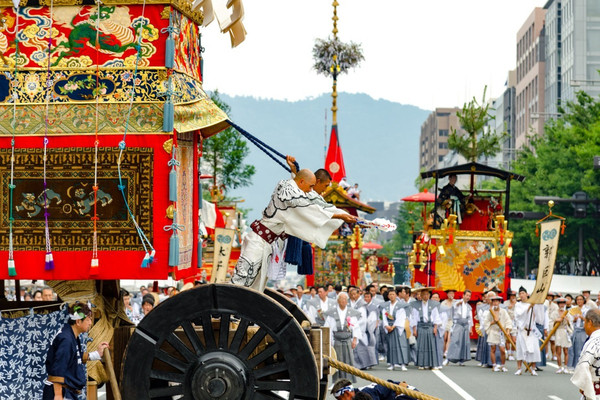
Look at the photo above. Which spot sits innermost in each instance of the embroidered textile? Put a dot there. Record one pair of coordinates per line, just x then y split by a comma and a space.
24, 343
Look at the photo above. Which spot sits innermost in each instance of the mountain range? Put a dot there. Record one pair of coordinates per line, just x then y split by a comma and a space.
379, 140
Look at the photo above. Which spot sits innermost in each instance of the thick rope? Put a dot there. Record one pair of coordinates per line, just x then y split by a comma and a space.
268, 150
392, 386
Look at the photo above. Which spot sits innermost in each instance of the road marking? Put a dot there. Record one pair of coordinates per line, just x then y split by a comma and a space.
550, 396
461, 392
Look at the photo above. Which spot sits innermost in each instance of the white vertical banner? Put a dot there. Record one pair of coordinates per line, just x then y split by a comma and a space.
223, 243
550, 231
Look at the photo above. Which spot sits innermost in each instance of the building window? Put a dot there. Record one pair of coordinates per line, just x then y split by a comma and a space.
443, 145
443, 114
440, 158
443, 132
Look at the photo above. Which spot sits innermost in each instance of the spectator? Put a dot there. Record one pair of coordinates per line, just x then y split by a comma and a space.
37, 295
131, 309
354, 192
47, 294
27, 297
147, 303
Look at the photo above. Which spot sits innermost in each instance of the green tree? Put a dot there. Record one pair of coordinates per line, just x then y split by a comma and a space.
560, 163
478, 141
224, 154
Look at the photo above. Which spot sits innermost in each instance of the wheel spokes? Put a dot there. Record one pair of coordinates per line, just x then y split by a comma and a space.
240, 333
178, 345
224, 331
170, 360
167, 376
166, 391
253, 343
263, 355
192, 336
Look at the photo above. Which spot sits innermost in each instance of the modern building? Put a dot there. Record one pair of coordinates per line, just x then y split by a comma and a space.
508, 120
529, 91
572, 51
433, 145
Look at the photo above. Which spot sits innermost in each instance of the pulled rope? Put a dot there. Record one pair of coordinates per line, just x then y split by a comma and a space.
268, 150
392, 386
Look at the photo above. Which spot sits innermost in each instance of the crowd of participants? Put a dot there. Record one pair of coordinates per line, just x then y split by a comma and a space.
402, 326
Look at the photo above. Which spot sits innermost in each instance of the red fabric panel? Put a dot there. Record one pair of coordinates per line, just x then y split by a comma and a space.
113, 264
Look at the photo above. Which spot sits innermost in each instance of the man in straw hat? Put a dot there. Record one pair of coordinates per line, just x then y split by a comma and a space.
459, 350
425, 319
495, 338
562, 336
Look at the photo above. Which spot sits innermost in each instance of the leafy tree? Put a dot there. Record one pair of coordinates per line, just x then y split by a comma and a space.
560, 163
224, 154
477, 142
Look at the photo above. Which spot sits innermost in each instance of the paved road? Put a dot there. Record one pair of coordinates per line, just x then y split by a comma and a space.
475, 383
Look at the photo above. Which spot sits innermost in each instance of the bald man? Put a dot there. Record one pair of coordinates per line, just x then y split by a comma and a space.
291, 211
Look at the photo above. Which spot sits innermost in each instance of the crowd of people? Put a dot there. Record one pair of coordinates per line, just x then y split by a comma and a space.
33, 293
400, 326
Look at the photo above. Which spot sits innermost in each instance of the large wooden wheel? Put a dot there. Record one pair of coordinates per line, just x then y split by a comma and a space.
219, 342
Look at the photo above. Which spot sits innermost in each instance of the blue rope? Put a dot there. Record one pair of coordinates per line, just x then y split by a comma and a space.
268, 150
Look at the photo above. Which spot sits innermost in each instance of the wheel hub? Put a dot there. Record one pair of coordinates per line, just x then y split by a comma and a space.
219, 376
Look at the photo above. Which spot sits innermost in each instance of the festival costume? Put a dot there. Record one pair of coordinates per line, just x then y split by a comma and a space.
398, 350
542, 324
587, 372
528, 348
379, 392
562, 336
456, 197
578, 339
344, 328
459, 349
318, 308
483, 354
493, 332
425, 315
65, 364
292, 212
365, 354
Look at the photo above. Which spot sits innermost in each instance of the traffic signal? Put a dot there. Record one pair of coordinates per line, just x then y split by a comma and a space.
580, 205
526, 215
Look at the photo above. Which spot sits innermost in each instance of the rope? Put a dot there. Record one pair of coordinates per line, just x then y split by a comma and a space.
268, 150
392, 386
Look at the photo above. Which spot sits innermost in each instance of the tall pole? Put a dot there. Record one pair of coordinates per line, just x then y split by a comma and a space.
335, 68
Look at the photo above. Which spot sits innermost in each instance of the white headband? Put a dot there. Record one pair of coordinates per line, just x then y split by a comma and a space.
343, 390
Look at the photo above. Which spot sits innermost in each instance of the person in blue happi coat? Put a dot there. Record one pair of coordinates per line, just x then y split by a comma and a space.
343, 390
65, 362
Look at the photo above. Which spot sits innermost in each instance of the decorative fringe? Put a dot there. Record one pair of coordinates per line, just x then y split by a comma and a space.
293, 251
174, 249
173, 185
12, 271
168, 115
94, 266
169, 52
49, 262
146, 261
306, 268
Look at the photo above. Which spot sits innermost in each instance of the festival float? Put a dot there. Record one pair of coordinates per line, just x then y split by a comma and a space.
465, 245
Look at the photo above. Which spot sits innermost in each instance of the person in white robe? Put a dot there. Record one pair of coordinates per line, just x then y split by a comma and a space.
562, 336
528, 348
587, 372
291, 211
344, 325
495, 337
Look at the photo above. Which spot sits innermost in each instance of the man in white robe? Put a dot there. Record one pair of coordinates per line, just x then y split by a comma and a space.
291, 211
587, 372
528, 348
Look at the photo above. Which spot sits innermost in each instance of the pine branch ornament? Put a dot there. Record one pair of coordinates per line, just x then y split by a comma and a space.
347, 56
